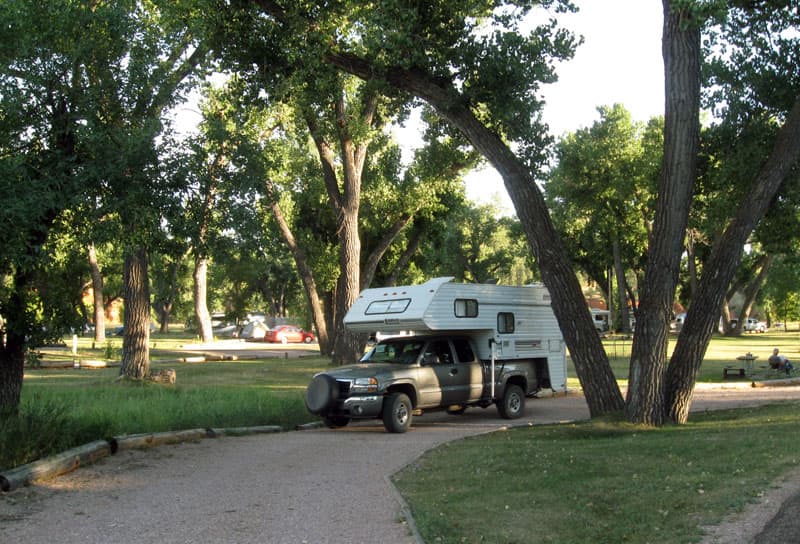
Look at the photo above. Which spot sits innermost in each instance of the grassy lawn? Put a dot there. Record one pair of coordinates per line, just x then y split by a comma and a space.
608, 481
65, 407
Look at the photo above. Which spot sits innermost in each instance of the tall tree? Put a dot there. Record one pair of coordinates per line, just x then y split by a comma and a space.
755, 74
44, 143
155, 58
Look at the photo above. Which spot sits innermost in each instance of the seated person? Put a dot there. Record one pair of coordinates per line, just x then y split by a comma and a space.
780, 362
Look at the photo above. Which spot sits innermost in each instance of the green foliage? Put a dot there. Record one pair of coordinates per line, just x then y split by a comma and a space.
782, 289
603, 190
753, 59
475, 245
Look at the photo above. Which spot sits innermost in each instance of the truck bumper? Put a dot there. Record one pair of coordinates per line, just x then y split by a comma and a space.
367, 406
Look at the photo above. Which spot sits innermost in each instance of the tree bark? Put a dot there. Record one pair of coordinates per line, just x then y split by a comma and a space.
136, 338
721, 266
682, 57
13, 346
97, 294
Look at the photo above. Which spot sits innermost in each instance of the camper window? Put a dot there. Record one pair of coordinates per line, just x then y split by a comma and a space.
466, 307
388, 306
505, 322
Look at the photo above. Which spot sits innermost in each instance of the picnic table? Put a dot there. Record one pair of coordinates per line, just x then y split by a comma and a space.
743, 367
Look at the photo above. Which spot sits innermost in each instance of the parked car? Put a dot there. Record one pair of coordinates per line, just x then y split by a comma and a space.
754, 325
289, 333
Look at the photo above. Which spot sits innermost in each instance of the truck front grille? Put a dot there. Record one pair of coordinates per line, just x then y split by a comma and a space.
344, 388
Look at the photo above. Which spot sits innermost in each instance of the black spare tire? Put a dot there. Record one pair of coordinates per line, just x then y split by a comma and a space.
321, 394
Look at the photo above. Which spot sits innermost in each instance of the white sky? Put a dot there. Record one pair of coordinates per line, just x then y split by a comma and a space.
619, 62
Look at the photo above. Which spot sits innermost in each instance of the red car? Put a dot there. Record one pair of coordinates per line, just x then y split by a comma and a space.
289, 333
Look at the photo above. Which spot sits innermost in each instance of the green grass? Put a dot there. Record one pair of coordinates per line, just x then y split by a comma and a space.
63, 408
604, 481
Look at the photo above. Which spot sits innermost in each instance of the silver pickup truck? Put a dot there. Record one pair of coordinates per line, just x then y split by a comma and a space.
404, 376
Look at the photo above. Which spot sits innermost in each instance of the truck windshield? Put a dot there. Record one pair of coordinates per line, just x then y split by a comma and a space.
394, 351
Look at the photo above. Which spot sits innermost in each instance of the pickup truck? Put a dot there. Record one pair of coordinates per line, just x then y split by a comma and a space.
404, 376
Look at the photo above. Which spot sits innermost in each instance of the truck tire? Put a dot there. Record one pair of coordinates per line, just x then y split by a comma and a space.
321, 394
397, 413
512, 405
335, 422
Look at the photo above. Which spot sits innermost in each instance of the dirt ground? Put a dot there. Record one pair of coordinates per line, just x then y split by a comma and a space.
316, 486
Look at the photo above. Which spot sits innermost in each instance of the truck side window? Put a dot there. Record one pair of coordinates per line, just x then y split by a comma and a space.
505, 322
439, 351
463, 350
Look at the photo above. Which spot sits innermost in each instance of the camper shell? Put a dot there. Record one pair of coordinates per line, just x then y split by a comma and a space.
504, 345
518, 322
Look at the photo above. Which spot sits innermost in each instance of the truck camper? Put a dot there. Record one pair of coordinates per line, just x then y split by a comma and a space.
470, 345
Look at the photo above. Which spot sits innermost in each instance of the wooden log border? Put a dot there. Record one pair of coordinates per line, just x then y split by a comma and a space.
72, 459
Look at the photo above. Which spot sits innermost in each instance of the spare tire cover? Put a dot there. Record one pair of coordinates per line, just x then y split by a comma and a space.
321, 394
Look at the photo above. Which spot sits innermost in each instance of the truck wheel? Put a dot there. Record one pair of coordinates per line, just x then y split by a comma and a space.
512, 404
397, 413
334, 422
321, 394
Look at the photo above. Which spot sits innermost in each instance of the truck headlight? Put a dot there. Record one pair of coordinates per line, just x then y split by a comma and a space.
365, 385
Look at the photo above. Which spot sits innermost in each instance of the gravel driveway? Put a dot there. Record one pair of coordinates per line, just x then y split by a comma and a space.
317, 486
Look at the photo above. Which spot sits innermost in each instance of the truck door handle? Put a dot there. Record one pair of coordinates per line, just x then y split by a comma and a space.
453, 371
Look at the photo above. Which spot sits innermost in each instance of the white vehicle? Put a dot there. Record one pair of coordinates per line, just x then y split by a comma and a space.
472, 345
754, 325
601, 320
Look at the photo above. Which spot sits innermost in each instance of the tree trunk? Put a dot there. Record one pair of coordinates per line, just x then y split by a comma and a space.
411, 248
721, 266
625, 325
345, 201
13, 346
347, 346
306, 276
136, 339
691, 264
97, 293
682, 56
202, 316
751, 290
163, 317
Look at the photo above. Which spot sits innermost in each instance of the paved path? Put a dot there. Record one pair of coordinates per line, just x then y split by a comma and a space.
318, 486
